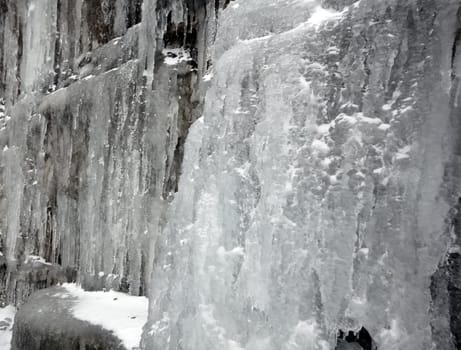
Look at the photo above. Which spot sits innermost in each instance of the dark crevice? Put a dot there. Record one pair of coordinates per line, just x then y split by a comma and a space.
142, 287
186, 108
350, 340
57, 48
455, 46
216, 7
124, 284
100, 16
366, 69
3, 7
18, 26
446, 289
134, 13
180, 35
454, 282
49, 233
3, 16
456, 42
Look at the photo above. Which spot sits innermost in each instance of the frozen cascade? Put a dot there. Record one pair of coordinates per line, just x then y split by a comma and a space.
319, 189
92, 127
318, 204
92, 131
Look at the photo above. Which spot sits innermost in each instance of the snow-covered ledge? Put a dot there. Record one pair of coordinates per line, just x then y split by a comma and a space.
67, 317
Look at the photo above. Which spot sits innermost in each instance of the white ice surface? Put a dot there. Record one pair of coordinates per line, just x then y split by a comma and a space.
121, 313
321, 15
6, 315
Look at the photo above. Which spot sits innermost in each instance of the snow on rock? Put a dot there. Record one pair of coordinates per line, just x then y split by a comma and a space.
322, 15
176, 56
208, 77
35, 259
121, 313
6, 326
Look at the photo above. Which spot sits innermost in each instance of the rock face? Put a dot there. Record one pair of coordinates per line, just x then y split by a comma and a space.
320, 191
97, 98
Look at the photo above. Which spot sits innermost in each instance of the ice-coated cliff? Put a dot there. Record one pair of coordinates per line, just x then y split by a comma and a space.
320, 187
97, 98
273, 174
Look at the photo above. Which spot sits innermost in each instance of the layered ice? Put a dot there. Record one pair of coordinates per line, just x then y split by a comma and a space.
319, 191
96, 102
314, 198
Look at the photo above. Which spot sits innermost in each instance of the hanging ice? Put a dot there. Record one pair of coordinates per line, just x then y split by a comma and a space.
314, 193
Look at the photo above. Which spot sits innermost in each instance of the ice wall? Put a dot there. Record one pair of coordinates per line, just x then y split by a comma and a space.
97, 99
320, 188
319, 191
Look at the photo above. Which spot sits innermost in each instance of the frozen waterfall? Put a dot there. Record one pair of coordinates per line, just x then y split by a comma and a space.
314, 197
230, 174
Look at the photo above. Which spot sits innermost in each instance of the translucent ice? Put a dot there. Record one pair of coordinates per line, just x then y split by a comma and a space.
305, 207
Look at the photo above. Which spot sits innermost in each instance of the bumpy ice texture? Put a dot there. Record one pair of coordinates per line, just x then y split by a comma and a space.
320, 186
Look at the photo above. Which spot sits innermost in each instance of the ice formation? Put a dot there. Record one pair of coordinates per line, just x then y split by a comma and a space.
317, 187
91, 143
272, 174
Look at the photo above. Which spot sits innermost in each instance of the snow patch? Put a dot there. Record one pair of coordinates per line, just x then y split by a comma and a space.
259, 38
121, 313
364, 251
208, 77
321, 15
6, 326
326, 162
402, 153
176, 56
384, 127
35, 259
324, 128
320, 147
237, 251
306, 335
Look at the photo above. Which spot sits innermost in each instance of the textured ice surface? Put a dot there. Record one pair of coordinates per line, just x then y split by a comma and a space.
319, 189
314, 194
95, 109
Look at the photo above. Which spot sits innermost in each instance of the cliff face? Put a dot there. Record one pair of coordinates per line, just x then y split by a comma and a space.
97, 99
320, 189
319, 197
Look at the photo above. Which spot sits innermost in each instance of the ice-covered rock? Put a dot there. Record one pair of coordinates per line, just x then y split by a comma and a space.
66, 317
327, 159
319, 199
93, 121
